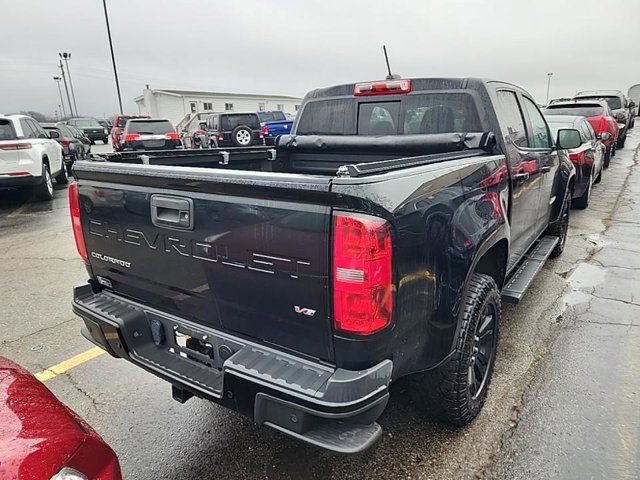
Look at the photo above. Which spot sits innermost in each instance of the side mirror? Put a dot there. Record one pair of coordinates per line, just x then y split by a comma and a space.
568, 138
54, 134
604, 136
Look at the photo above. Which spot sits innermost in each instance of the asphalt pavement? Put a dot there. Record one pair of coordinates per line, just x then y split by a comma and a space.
564, 402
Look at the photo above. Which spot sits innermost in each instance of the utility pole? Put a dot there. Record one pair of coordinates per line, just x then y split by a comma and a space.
549, 75
67, 56
66, 89
113, 58
57, 79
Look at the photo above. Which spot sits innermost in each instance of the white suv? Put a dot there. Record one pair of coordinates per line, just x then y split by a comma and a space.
28, 157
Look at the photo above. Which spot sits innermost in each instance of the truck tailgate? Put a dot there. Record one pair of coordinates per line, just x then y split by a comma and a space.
244, 252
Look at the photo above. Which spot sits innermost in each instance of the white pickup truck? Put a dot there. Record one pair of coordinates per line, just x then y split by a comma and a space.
29, 157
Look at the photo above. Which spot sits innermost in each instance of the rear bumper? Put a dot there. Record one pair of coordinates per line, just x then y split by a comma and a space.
7, 181
140, 145
326, 406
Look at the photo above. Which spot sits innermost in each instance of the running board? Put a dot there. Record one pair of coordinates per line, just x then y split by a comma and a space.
521, 280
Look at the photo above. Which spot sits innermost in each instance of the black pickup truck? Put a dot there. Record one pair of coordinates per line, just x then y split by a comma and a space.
295, 283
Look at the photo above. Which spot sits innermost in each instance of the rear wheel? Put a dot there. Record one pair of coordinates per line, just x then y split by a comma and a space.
61, 178
621, 141
582, 202
44, 191
458, 389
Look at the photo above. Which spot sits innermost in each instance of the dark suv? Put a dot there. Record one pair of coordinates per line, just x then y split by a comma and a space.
235, 129
91, 129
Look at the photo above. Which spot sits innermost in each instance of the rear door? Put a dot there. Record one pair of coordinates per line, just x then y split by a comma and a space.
9, 153
241, 255
541, 148
525, 173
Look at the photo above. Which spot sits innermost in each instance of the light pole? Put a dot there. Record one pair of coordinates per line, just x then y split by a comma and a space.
549, 75
66, 89
57, 79
113, 58
67, 56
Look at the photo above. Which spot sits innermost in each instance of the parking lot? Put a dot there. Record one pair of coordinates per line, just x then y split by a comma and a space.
568, 367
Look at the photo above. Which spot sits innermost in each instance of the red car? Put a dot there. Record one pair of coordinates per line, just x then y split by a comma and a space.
42, 439
117, 129
599, 116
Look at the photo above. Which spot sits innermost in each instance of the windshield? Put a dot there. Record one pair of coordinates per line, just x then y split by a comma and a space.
229, 122
578, 110
149, 127
271, 116
6, 130
86, 123
414, 114
614, 102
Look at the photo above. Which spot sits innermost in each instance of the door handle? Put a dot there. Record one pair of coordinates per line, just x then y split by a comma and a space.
545, 169
172, 212
521, 176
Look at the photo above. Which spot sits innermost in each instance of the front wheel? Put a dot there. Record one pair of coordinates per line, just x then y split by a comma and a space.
458, 389
607, 157
621, 141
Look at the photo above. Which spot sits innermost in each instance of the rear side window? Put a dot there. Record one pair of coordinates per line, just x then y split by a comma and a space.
229, 122
122, 121
587, 129
577, 110
511, 118
6, 130
539, 129
27, 130
150, 127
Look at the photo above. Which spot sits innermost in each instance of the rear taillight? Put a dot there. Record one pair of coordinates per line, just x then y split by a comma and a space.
220, 137
74, 207
362, 279
172, 135
15, 146
387, 87
577, 158
265, 130
64, 142
130, 137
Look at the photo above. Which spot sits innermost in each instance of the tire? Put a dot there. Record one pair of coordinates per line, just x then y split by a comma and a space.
599, 177
44, 191
621, 141
607, 157
560, 227
241, 136
582, 202
613, 150
457, 390
62, 178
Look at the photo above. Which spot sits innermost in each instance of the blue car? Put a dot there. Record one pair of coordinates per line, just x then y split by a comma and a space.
274, 123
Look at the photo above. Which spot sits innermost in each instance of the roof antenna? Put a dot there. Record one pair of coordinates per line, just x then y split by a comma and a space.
391, 76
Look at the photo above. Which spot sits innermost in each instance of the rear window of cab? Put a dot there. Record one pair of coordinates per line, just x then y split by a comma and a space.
414, 114
149, 127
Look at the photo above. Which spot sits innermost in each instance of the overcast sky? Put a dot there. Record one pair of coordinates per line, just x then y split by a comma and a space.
290, 47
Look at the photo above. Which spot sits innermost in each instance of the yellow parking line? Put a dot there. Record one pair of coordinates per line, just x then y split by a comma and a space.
18, 211
67, 365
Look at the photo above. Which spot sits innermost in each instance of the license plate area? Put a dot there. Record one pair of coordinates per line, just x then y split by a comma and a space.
181, 349
194, 349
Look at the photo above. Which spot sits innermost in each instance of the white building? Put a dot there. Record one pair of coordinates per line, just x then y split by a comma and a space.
180, 106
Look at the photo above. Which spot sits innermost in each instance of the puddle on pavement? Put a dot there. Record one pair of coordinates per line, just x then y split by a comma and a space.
585, 276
